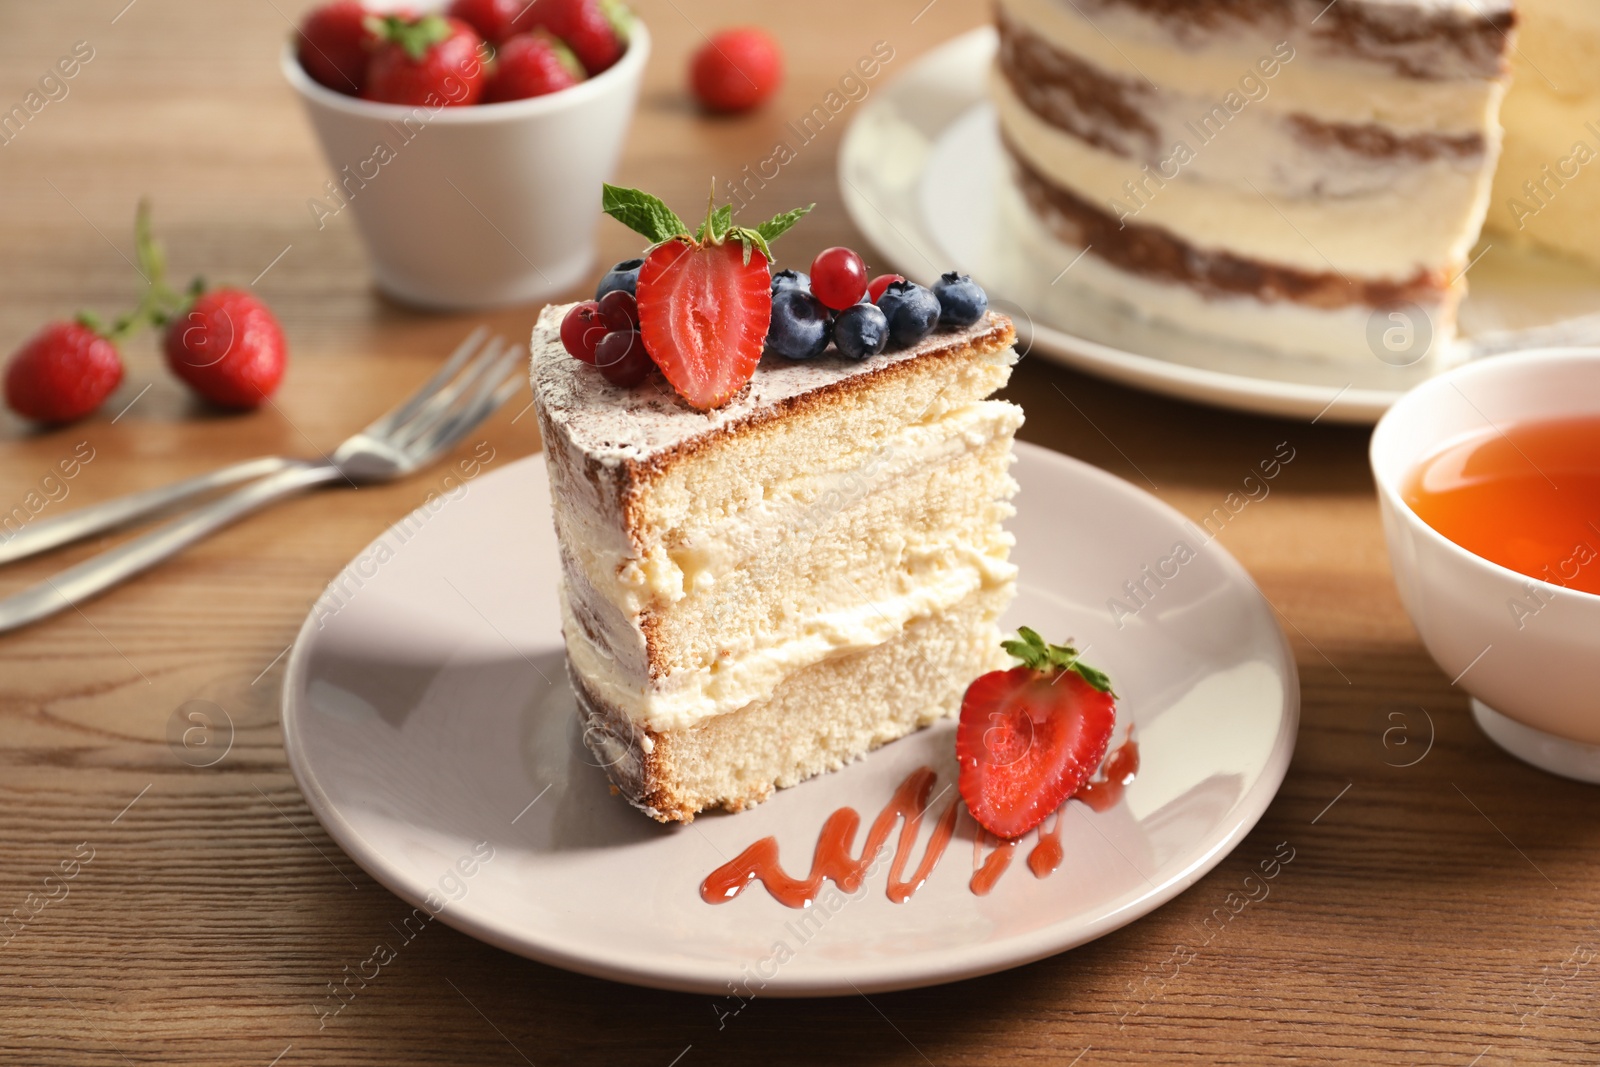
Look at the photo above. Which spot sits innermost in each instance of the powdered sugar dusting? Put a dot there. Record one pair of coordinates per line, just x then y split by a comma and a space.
612, 424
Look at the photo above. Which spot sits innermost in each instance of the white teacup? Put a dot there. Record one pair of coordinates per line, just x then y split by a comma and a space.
1528, 652
476, 206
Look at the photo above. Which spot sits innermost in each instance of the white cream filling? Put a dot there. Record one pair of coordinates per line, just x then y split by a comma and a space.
1428, 218
940, 567
690, 696
631, 583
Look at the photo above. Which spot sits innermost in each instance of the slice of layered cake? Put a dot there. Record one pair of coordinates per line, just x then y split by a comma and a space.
763, 579
1282, 172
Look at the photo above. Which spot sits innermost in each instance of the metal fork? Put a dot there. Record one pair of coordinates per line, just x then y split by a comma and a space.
472, 384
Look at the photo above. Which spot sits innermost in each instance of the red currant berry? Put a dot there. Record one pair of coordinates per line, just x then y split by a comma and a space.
622, 359
620, 310
582, 330
838, 278
880, 283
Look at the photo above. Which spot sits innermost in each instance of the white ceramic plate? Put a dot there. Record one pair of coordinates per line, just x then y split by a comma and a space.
426, 708
920, 167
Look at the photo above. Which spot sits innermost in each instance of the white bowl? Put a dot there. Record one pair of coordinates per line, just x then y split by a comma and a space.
1527, 652
478, 206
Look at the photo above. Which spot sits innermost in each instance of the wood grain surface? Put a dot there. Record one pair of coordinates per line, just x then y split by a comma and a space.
1440, 907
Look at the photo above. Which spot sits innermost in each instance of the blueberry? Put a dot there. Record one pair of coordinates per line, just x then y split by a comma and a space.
912, 312
624, 276
962, 302
791, 279
800, 325
861, 331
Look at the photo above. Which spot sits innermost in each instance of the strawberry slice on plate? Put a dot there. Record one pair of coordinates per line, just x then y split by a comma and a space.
1029, 737
705, 299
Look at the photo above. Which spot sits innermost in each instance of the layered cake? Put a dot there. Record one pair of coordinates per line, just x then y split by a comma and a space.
759, 592
1547, 189
1280, 172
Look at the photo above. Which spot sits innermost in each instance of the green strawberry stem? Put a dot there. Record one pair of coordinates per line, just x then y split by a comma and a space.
651, 217
565, 56
415, 35
159, 301
620, 17
1036, 655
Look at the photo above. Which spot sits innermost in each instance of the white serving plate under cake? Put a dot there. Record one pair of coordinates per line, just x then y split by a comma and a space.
428, 719
921, 170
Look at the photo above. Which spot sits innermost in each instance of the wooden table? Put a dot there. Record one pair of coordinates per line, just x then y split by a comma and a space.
1439, 912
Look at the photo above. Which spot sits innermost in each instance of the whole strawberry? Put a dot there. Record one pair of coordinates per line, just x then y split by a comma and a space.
64, 372
736, 70
491, 18
430, 61
227, 347
704, 300
532, 64
595, 30
1029, 737
333, 45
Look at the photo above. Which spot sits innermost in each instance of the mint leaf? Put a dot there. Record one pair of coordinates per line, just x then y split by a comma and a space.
778, 225
642, 213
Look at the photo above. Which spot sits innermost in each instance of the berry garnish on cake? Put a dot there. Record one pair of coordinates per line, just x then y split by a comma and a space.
700, 302
1031, 736
705, 307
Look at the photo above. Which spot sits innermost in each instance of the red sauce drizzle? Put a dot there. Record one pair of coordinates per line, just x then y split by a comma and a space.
987, 872
1101, 793
1048, 854
834, 860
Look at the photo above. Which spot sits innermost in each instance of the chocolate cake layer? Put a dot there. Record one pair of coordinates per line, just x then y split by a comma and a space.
1111, 112
1381, 142
1158, 255
1079, 98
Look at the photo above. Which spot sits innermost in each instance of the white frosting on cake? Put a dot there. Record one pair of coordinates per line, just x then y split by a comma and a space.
613, 424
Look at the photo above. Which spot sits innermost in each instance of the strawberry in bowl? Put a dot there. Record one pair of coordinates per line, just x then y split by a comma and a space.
425, 61
446, 57
471, 149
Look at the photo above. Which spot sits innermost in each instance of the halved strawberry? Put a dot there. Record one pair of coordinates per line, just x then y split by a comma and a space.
704, 313
705, 300
1029, 737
